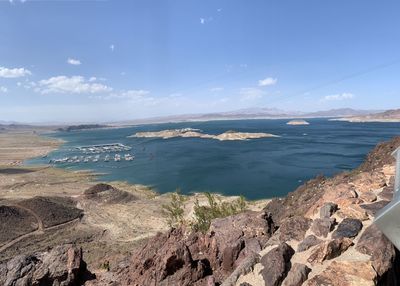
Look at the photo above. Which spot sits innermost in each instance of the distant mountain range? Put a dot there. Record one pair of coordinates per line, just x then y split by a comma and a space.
252, 113
392, 115
344, 114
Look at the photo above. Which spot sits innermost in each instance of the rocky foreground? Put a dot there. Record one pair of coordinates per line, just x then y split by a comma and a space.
320, 234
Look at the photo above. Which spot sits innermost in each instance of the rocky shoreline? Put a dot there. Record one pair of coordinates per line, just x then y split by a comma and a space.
195, 133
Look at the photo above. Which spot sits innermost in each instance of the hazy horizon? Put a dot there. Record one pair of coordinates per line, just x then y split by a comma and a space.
105, 61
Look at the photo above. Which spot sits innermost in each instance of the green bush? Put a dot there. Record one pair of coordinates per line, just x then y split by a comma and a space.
174, 211
203, 215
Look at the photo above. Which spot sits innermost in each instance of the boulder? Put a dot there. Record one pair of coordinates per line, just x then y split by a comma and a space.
353, 211
373, 208
308, 242
368, 196
387, 193
322, 226
276, 264
346, 273
63, 265
374, 243
294, 228
329, 250
327, 210
349, 227
297, 275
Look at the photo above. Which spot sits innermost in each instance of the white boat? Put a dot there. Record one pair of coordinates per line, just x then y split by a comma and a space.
106, 158
128, 157
117, 158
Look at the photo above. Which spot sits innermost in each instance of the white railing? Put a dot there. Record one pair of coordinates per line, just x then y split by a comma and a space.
388, 218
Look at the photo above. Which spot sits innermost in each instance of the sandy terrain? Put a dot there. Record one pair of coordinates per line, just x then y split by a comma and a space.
187, 133
108, 229
29, 144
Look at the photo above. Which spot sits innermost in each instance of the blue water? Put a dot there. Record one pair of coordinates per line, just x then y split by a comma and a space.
260, 168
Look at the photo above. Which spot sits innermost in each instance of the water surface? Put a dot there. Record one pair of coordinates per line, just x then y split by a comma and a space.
259, 168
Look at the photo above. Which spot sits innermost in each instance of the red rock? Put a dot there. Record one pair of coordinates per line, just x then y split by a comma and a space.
346, 273
308, 242
322, 226
297, 275
276, 264
328, 209
374, 243
63, 265
329, 250
294, 228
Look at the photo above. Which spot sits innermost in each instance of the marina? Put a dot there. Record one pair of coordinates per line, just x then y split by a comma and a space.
94, 159
97, 149
104, 148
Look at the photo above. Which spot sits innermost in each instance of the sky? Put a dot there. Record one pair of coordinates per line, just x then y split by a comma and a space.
99, 61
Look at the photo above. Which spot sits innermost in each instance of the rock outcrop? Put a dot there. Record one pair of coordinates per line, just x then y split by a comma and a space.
276, 264
62, 266
180, 257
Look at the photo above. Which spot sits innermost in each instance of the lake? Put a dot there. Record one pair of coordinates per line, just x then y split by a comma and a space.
258, 168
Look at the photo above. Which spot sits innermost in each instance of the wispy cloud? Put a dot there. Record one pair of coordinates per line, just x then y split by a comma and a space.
216, 89
112, 47
13, 72
267, 81
129, 94
250, 93
341, 96
3, 89
74, 62
73, 84
13, 1
205, 20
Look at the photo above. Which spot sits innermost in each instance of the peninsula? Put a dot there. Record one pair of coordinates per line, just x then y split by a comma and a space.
190, 133
386, 116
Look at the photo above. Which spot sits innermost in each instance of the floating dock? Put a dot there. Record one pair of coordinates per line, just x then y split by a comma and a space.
104, 148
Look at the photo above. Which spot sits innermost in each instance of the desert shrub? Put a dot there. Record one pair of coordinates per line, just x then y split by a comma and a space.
174, 211
203, 215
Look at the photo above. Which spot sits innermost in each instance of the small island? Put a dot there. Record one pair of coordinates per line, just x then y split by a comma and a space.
190, 133
297, 122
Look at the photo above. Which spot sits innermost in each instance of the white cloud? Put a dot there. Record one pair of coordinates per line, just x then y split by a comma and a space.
3, 89
74, 62
342, 96
205, 20
250, 93
112, 47
12, 1
14, 72
73, 84
133, 94
267, 81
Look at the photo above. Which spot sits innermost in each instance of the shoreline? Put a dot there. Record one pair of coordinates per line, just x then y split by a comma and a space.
356, 120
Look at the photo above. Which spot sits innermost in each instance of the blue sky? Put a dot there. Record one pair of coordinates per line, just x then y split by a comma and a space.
116, 60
